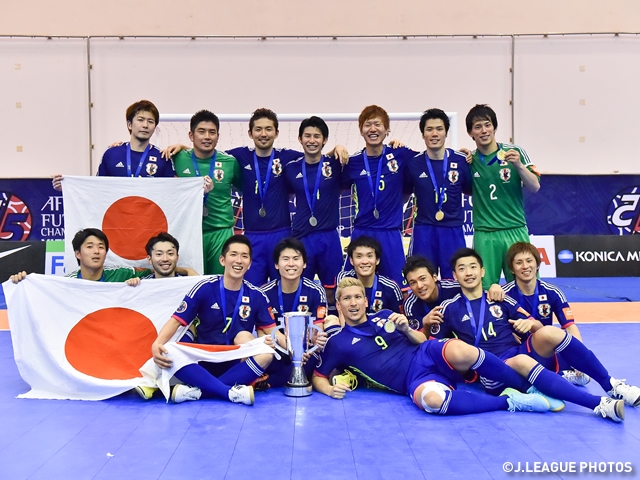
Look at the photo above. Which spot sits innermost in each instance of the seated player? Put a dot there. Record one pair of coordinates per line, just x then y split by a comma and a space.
377, 172
293, 293
137, 158
384, 349
228, 309
422, 306
473, 318
316, 180
437, 177
162, 254
542, 299
365, 254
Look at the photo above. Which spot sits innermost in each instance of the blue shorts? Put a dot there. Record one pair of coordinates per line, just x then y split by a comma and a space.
324, 256
262, 246
393, 257
438, 244
430, 365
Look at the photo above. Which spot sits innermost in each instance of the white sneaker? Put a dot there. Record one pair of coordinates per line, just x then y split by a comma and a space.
241, 394
622, 391
576, 378
182, 393
609, 408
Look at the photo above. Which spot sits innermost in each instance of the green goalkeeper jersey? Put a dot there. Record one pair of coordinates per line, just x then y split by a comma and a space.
116, 273
225, 174
497, 191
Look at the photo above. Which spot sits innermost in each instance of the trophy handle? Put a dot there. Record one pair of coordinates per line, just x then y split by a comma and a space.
275, 342
314, 327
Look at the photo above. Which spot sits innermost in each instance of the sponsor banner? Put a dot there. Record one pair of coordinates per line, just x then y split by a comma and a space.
18, 256
547, 248
585, 205
30, 209
598, 256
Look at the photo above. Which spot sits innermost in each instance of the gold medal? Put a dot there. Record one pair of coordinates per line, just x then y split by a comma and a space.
439, 215
389, 326
501, 155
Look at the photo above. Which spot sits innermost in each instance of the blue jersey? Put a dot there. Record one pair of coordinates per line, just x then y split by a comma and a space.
386, 294
382, 357
222, 319
494, 332
312, 299
455, 180
276, 199
387, 191
547, 301
415, 309
326, 206
114, 163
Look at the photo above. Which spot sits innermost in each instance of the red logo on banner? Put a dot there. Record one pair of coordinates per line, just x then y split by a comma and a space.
15, 218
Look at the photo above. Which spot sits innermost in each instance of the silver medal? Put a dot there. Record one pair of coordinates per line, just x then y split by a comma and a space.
262, 212
313, 221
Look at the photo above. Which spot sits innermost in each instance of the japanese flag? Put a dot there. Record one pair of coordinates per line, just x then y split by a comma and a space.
132, 210
83, 340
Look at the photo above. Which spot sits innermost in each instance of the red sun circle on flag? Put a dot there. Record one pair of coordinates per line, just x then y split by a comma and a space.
129, 223
111, 343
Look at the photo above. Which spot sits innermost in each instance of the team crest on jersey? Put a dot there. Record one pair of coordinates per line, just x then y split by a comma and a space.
414, 324
153, 159
505, 174
496, 311
244, 312
544, 309
392, 165
303, 308
326, 170
453, 176
276, 168
182, 307
435, 329
377, 305
151, 168
218, 175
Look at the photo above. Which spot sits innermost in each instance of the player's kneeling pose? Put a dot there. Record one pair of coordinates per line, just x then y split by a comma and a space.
382, 348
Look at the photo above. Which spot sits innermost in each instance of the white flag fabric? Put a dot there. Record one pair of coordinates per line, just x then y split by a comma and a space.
132, 210
83, 340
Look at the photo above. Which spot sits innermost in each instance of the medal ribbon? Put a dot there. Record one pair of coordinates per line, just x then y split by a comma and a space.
477, 323
440, 191
311, 196
534, 302
374, 289
143, 157
223, 305
197, 170
494, 159
263, 187
374, 191
296, 300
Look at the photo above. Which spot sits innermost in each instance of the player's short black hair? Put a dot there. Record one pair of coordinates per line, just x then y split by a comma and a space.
82, 235
365, 241
293, 244
481, 112
414, 262
161, 237
244, 240
316, 122
203, 116
263, 113
434, 114
142, 106
464, 252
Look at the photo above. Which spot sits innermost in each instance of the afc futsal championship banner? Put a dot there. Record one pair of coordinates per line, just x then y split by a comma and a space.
30, 210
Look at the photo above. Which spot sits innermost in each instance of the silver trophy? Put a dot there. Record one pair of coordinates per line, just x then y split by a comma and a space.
297, 328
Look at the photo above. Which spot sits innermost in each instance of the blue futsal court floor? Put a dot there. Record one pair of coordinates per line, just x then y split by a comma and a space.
369, 435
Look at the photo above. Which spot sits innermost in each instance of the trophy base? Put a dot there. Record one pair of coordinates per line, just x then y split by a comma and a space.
297, 390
